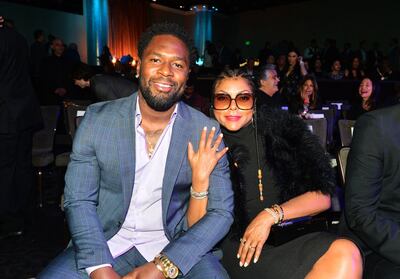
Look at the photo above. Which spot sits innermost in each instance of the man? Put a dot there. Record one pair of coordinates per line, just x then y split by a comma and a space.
372, 197
37, 55
55, 75
104, 87
268, 87
128, 183
19, 118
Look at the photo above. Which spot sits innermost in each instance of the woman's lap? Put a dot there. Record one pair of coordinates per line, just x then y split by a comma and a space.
293, 259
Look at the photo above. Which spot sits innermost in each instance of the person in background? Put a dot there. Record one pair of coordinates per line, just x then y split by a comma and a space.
292, 75
307, 97
55, 76
372, 192
20, 117
336, 72
38, 53
267, 93
368, 92
355, 71
103, 87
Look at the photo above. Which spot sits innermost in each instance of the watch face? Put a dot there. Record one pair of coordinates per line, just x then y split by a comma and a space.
172, 272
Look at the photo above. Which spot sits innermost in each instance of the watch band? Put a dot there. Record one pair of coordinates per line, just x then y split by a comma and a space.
167, 268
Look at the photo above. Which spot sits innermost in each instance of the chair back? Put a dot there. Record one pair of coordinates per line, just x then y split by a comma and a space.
319, 128
346, 131
330, 114
72, 110
342, 162
43, 140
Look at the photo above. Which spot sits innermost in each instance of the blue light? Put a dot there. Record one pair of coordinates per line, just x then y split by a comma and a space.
203, 29
97, 28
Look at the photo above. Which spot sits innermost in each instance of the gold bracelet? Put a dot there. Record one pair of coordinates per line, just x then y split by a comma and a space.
273, 214
279, 210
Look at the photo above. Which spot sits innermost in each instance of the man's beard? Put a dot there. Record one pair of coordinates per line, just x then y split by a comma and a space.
161, 101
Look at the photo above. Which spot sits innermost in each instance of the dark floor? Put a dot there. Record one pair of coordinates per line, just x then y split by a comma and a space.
45, 235
24, 256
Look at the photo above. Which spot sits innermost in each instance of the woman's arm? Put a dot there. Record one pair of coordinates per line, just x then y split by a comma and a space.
202, 163
303, 69
257, 232
307, 204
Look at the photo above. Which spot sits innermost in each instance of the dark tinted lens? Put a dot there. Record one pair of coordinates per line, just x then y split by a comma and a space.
222, 101
244, 101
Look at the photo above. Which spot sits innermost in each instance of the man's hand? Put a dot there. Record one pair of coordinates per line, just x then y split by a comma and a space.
146, 271
104, 273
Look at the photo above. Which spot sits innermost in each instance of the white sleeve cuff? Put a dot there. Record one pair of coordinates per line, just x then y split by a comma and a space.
93, 268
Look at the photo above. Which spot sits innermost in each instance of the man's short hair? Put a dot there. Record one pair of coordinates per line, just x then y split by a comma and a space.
265, 70
166, 28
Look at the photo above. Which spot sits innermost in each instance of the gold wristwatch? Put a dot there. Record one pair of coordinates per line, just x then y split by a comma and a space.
167, 268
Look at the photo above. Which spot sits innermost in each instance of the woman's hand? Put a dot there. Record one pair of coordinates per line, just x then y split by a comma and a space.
254, 238
205, 159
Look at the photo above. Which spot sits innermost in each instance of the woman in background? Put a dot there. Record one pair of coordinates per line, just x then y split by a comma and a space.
292, 75
307, 97
368, 97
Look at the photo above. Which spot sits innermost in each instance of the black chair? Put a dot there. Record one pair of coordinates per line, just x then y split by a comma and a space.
319, 128
342, 162
43, 145
346, 131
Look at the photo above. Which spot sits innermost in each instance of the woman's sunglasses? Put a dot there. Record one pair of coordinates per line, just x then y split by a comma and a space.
242, 101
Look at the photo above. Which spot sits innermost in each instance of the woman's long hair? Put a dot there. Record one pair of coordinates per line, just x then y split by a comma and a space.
373, 99
314, 95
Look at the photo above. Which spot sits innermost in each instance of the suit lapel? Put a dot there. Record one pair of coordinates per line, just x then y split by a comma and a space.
176, 153
126, 149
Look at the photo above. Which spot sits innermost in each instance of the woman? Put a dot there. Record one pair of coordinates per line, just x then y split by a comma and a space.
368, 93
307, 97
279, 172
355, 71
292, 74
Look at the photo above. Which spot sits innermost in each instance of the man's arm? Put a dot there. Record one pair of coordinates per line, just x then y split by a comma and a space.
364, 186
81, 195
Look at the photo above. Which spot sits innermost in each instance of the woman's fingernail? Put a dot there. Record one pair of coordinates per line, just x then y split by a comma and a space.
255, 260
238, 256
246, 264
240, 264
221, 135
213, 128
205, 128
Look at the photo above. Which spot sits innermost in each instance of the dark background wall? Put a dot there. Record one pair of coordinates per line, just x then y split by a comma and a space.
344, 20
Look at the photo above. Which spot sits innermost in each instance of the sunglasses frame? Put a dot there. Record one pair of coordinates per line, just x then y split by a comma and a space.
230, 102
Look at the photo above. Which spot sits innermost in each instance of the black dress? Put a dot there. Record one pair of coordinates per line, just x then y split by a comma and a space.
293, 259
